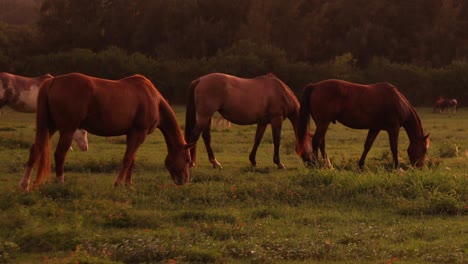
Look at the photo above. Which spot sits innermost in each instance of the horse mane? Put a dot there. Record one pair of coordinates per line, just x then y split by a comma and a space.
410, 109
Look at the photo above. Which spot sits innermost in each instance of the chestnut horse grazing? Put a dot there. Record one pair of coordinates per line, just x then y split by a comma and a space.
375, 107
20, 94
262, 100
131, 106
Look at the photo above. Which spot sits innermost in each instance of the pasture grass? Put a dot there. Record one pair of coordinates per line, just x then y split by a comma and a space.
241, 214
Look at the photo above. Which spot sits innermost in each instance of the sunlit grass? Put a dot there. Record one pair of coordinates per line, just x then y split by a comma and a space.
241, 214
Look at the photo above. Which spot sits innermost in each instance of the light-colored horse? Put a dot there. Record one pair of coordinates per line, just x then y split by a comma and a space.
20, 94
262, 100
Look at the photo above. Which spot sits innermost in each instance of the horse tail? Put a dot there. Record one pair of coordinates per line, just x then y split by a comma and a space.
190, 114
41, 143
304, 118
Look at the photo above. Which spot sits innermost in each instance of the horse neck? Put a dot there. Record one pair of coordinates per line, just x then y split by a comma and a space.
169, 127
412, 125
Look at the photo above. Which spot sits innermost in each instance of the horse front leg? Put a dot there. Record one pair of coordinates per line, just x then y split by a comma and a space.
128, 178
393, 137
134, 140
276, 125
61, 150
371, 135
327, 163
258, 138
207, 139
318, 142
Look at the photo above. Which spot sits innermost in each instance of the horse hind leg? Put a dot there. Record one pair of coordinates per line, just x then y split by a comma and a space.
207, 139
61, 150
202, 124
258, 138
33, 155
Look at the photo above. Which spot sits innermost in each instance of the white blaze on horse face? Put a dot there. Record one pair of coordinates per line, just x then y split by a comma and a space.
28, 98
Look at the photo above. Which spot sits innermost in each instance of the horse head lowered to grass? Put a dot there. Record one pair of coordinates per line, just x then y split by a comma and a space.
131, 106
262, 100
375, 107
20, 94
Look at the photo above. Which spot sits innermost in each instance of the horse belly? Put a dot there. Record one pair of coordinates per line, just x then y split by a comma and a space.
244, 113
105, 121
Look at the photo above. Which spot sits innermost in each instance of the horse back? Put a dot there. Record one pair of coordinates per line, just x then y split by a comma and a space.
356, 105
249, 99
96, 104
20, 92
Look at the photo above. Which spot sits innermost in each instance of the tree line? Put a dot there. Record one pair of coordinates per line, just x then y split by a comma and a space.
421, 46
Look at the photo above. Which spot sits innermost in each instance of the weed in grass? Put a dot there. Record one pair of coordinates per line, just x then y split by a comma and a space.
14, 143
240, 214
205, 217
7, 129
16, 163
137, 249
8, 251
448, 149
68, 190
265, 213
94, 166
48, 238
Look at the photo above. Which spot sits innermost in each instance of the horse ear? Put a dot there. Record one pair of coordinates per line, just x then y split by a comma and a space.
426, 139
189, 145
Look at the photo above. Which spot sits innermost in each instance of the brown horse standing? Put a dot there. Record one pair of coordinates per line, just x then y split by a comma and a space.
20, 93
131, 106
263, 100
375, 107
443, 103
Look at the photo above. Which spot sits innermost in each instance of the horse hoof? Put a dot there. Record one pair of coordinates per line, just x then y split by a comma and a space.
216, 164
60, 179
24, 186
281, 166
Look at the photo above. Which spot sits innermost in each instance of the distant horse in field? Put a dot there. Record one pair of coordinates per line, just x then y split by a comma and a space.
443, 103
20, 94
262, 100
131, 106
375, 107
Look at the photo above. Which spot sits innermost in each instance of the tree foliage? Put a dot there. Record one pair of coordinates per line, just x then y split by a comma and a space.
418, 44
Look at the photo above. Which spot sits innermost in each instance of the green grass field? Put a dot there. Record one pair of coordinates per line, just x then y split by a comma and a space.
240, 214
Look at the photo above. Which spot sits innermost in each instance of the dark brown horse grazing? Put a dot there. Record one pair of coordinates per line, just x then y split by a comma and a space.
263, 100
131, 106
20, 93
375, 107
